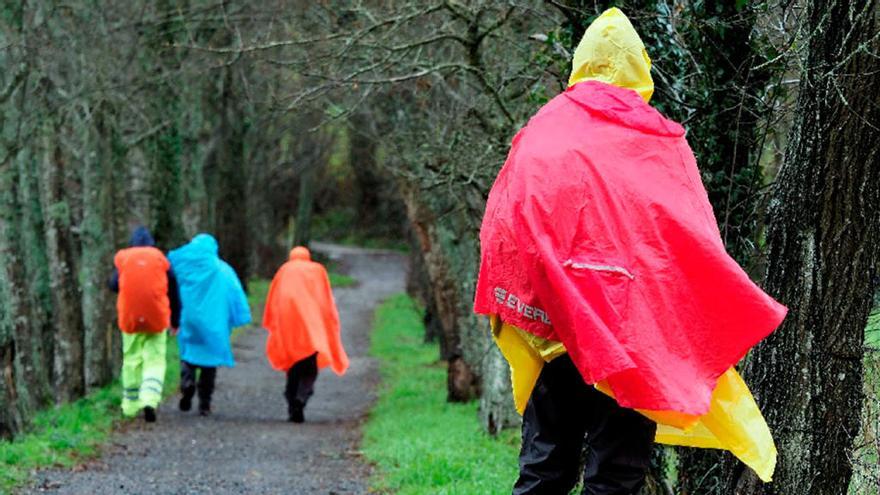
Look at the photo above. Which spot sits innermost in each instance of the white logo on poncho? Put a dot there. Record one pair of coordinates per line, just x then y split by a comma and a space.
512, 301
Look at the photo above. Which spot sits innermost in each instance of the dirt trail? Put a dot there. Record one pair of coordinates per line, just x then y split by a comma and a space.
247, 446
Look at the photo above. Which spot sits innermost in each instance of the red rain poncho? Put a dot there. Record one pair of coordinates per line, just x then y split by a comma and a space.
301, 316
598, 233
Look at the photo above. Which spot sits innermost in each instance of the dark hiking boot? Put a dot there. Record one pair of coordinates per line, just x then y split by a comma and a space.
186, 398
204, 409
295, 412
185, 404
150, 414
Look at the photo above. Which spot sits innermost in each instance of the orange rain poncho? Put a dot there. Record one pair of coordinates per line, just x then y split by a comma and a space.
301, 316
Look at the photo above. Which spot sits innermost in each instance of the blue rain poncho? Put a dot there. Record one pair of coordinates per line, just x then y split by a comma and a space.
213, 303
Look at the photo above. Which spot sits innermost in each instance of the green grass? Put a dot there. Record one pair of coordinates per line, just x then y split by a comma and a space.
340, 280
66, 435
258, 289
341, 226
419, 442
60, 437
172, 368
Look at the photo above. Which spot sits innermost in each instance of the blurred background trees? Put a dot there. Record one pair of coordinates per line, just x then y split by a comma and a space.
273, 123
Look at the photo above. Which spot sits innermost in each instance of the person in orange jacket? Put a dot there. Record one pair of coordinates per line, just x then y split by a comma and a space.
303, 326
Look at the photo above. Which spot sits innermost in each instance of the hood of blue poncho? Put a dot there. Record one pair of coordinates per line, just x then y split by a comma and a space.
204, 244
196, 260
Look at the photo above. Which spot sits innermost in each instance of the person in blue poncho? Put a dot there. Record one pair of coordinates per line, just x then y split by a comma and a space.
213, 304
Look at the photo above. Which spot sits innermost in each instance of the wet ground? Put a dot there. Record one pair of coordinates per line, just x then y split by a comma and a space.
246, 446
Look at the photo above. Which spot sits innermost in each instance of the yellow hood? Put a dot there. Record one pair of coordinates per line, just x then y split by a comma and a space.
612, 52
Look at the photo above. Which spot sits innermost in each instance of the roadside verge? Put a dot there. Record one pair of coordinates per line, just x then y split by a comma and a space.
419, 442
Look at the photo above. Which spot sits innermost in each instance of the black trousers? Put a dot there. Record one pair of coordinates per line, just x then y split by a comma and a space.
561, 412
205, 384
301, 382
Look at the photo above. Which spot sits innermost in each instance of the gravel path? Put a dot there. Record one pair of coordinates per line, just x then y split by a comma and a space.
247, 446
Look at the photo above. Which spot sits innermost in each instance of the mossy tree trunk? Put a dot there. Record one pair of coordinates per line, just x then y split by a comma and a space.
37, 284
16, 356
449, 246
62, 255
26, 334
99, 237
824, 249
166, 199
166, 147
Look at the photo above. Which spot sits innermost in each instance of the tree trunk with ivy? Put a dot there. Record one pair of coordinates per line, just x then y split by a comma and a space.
824, 249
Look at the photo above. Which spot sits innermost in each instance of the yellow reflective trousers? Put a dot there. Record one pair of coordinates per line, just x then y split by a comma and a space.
143, 370
733, 423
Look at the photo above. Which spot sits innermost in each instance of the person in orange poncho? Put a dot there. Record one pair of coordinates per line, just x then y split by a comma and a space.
303, 327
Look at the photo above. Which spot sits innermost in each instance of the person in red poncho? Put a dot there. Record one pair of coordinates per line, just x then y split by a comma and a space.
303, 327
610, 292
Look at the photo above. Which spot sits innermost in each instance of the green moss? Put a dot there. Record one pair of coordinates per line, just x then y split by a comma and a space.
419, 442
